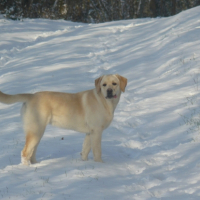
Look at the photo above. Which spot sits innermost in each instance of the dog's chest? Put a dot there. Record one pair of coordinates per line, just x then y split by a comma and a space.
106, 120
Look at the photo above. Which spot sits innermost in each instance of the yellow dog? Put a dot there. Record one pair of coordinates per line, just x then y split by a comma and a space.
88, 112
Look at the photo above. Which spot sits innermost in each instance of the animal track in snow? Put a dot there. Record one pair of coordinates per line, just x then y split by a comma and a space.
8, 54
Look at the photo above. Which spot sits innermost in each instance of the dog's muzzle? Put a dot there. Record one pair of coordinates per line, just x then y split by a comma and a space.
110, 94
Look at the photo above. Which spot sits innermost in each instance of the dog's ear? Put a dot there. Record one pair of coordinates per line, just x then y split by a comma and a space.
123, 82
97, 84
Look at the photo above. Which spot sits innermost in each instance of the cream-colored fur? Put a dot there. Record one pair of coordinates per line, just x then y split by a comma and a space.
88, 112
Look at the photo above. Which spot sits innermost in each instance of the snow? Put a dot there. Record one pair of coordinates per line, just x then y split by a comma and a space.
151, 149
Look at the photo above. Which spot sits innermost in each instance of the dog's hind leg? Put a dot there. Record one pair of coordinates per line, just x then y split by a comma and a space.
33, 158
28, 155
34, 130
34, 126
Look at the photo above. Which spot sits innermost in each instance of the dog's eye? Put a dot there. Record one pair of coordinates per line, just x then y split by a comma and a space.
104, 84
114, 83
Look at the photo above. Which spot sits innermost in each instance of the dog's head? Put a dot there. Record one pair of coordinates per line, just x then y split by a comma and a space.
111, 85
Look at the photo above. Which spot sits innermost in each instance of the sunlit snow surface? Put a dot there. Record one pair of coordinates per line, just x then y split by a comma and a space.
152, 148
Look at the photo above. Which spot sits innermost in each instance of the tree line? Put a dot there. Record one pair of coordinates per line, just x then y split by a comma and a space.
93, 11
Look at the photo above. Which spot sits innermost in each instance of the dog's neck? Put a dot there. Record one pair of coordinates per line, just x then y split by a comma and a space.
109, 104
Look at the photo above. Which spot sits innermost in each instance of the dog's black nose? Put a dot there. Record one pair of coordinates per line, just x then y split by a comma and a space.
109, 91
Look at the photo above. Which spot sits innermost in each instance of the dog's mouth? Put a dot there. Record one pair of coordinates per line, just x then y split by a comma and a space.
110, 96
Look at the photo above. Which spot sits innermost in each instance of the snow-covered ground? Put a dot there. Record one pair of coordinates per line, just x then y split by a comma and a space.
152, 148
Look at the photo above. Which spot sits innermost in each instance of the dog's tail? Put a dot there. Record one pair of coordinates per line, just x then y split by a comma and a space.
10, 99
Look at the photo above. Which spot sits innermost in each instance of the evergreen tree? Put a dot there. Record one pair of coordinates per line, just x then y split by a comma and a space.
93, 10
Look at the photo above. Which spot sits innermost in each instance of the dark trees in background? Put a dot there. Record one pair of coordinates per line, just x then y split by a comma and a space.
93, 10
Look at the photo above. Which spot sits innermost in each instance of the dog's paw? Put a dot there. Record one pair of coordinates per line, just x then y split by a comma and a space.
84, 158
98, 160
25, 161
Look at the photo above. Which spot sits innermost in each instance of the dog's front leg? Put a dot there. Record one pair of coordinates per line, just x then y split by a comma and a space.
86, 147
96, 145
